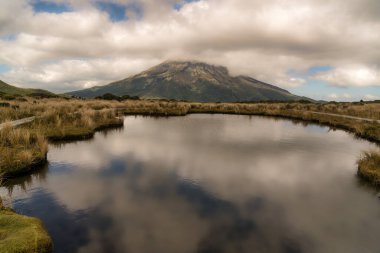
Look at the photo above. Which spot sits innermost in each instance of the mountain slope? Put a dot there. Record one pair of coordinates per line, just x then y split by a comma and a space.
192, 81
12, 90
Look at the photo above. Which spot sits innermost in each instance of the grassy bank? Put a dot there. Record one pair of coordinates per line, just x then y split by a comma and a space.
21, 150
58, 125
24, 148
22, 234
369, 167
74, 119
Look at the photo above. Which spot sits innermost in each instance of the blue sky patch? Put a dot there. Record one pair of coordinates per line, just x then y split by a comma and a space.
51, 7
178, 6
319, 90
317, 69
8, 37
4, 68
117, 12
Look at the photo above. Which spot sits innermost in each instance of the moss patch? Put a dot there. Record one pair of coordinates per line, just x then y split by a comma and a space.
21, 234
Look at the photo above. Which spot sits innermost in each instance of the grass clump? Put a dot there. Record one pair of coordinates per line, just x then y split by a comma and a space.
21, 234
20, 151
369, 167
58, 124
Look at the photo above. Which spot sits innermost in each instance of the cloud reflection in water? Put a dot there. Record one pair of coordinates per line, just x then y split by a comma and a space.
208, 183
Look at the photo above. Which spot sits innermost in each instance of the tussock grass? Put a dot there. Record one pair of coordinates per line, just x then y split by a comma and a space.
369, 167
56, 119
60, 124
20, 150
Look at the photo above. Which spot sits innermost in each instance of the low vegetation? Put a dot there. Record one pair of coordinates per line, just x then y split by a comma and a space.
57, 124
22, 234
56, 119
109, 96
369, 167
21, 150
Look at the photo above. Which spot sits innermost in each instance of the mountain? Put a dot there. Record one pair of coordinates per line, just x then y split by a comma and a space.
192, 81
12, 90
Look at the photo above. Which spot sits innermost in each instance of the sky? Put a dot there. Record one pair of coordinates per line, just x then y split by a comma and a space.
323, 49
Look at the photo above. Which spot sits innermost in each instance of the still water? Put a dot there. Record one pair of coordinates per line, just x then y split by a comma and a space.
204, 183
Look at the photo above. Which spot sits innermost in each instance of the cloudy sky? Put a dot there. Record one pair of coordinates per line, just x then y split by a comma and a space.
324, 49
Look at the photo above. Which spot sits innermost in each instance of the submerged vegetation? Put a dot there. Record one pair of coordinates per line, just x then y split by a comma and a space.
369, 167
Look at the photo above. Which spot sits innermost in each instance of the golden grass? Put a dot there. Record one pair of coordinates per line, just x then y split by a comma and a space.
20, 150
61, 124
63, 106
56, 119
369, 167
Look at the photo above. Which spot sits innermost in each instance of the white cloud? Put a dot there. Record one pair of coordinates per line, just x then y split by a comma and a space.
264, 39
371, 97
347, 96
333, 96
351, 76
341, 97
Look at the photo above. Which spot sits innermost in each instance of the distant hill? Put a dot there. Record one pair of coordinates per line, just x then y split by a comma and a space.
6, 89
192, 81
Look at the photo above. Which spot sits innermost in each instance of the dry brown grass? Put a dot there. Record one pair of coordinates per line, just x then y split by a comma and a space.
369, 167
61, 123
20, 150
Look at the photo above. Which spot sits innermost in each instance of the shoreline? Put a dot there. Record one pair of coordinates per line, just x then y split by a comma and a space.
368, 168
38, 162
369, 131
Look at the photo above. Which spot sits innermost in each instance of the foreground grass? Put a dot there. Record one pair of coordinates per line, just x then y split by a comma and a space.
20, 151
369, 167
23, 148
22, 234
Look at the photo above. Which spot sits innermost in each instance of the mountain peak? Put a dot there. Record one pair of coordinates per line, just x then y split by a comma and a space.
196, 67
192, 81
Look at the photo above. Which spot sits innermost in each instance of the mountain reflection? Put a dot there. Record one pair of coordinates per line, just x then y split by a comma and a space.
206, 183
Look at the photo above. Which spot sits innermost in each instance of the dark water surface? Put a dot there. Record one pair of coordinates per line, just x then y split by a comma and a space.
205, 183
